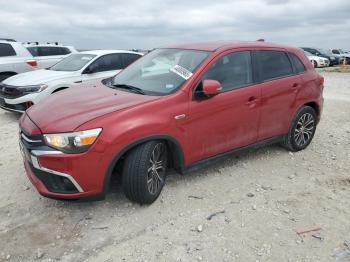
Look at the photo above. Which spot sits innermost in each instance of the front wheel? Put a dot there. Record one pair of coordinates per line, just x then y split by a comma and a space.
144, 172
302, 130
314, 63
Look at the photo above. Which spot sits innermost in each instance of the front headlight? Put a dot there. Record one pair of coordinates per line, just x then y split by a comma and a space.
34, 88
73, 143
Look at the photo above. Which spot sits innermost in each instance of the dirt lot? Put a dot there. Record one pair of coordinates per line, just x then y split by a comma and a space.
264, 196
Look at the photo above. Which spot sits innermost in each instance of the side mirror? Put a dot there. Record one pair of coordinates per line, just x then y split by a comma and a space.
211, 88
91, 69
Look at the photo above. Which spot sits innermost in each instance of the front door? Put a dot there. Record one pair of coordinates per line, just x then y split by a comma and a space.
228, 120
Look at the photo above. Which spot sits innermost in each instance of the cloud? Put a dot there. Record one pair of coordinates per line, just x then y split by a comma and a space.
147, 24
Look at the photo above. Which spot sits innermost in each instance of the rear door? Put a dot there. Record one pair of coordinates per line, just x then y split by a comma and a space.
230, 119
279, 86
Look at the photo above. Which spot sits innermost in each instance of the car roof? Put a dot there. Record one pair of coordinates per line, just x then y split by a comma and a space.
105, 52
223, 45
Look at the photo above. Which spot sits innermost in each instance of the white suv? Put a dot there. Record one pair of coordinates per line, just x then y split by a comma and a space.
19, 92
48, 54
16, 58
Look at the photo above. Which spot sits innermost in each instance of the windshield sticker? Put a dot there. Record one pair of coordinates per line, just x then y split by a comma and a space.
169, 86
183, 72
87, 58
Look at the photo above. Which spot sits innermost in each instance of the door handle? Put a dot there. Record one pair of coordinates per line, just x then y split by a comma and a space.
78, 82
295, 85
251, 100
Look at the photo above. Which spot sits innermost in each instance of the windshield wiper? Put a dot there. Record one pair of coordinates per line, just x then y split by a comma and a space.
130, 87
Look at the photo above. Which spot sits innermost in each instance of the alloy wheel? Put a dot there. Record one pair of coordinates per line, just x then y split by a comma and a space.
157, 168
304, 129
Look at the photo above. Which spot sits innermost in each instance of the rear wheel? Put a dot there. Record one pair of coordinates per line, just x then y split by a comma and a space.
144, 172
302, 130
314, 63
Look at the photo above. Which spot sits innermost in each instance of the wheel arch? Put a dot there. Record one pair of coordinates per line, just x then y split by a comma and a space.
315, 106
57, 89
10, 73
176, 159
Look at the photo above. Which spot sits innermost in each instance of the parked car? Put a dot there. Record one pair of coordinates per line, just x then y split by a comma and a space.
218, 98
333, 60
19, 92
342, 55
317, 61
16, 58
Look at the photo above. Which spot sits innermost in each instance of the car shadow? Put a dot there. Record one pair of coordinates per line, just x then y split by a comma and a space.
116, 198
11, 116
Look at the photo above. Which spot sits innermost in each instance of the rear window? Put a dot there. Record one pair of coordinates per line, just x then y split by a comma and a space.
6, 50
274, 64
299, 66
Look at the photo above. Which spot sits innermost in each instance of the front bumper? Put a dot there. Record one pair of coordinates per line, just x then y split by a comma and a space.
323, 63
13, 99
19, 108
62, 176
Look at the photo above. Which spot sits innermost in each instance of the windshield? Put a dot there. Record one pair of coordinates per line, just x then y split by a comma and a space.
161, 72
73, 62
308, 54
325, 52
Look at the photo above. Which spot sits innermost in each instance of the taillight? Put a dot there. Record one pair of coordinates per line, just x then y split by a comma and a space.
32, 63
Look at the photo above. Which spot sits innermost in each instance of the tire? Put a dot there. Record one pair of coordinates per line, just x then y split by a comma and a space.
5, 76
143, 180
314, 63
302, 130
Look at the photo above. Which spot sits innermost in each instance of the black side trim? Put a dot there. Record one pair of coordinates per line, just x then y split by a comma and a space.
214, 159
178, 156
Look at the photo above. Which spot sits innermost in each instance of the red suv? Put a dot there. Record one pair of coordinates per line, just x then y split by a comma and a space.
176, 108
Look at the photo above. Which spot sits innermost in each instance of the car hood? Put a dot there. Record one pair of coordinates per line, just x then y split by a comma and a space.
67, 110
36, 77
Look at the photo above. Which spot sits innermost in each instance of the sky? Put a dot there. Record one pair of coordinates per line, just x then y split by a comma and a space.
127, 24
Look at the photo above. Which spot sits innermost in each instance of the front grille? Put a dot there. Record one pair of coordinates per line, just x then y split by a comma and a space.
33, 142
10, 92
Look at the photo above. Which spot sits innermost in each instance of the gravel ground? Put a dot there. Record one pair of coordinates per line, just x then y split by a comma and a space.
262, 199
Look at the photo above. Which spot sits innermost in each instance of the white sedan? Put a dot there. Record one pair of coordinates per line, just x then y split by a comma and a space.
317, 61
21, 91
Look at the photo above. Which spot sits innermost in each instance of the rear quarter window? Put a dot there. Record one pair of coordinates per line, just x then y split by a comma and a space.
6, 50
298, 65
274, 64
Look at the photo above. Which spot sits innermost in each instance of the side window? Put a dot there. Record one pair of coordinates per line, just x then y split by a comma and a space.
334, 51
129, 58
108, 63
6, 50
273, 64
33, 50
49, 51
232, 71
64, 51
299, 66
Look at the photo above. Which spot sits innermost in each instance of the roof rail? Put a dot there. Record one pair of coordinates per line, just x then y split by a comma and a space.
32, 43
8, 39
37, 43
